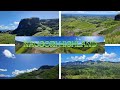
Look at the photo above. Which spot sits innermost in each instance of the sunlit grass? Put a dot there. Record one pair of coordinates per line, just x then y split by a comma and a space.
7, 38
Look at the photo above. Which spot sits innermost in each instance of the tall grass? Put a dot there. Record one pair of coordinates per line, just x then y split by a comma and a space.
7, 38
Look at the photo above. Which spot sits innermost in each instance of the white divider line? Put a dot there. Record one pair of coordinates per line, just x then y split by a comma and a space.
59, 35
59, 23
112, 44
7, 44
59, 66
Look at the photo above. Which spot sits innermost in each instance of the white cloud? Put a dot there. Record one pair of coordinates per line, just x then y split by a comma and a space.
82, 12
69, 12
110, 56
3, 27
118, 11
96, 56
76, 58
16, 23
89, 12
8, 54
103, 57
82, 57
3, 70
3, 75
18, 72
11, 26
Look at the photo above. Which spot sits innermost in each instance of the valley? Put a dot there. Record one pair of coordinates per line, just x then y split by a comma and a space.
91, 70
92, 25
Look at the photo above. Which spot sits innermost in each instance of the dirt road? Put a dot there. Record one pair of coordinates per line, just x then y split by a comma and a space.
40, 50
97, 32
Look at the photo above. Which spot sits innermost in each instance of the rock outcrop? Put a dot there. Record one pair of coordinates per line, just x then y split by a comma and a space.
117, 17
35, 26
27, 27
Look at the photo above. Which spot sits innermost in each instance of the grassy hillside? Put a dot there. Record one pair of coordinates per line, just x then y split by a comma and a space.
92, 26
103, 70
52, 73
31, 27
6, 38
82, 50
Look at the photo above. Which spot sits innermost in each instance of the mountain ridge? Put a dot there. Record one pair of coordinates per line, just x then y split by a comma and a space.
31, 26
85, 62
44, 72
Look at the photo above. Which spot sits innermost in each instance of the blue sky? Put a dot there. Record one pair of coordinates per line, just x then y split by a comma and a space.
12, 64
112, 53
63, 38
10, 19
92, 12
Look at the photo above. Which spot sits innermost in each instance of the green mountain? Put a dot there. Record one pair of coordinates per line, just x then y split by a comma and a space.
91, 70
44, 72
80, 25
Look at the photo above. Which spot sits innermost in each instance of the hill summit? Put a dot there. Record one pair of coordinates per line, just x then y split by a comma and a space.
117, 17
32, 26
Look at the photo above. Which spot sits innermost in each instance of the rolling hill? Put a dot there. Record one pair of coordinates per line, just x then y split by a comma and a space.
92, 25
44, 72
91, 70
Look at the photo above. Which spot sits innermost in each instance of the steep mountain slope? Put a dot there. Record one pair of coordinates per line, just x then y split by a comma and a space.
44, 72
31, 26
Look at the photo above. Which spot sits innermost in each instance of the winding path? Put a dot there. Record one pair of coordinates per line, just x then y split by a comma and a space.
39, 50
97, 32
37, 77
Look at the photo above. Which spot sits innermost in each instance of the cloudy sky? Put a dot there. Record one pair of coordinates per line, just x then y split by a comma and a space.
12, 64
92, 12
112, 54
10, 19
63, 38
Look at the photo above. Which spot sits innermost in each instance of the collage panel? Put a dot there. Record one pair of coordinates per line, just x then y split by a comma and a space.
92, 23
63, 44
92, 66
27, 66
94, 58
27, 23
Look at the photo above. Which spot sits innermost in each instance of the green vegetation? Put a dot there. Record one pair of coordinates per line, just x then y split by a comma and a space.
82, 50
52, 73
47, 33
6, 38
23, 50
103, 70
92, 26
19, 48
35, 27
